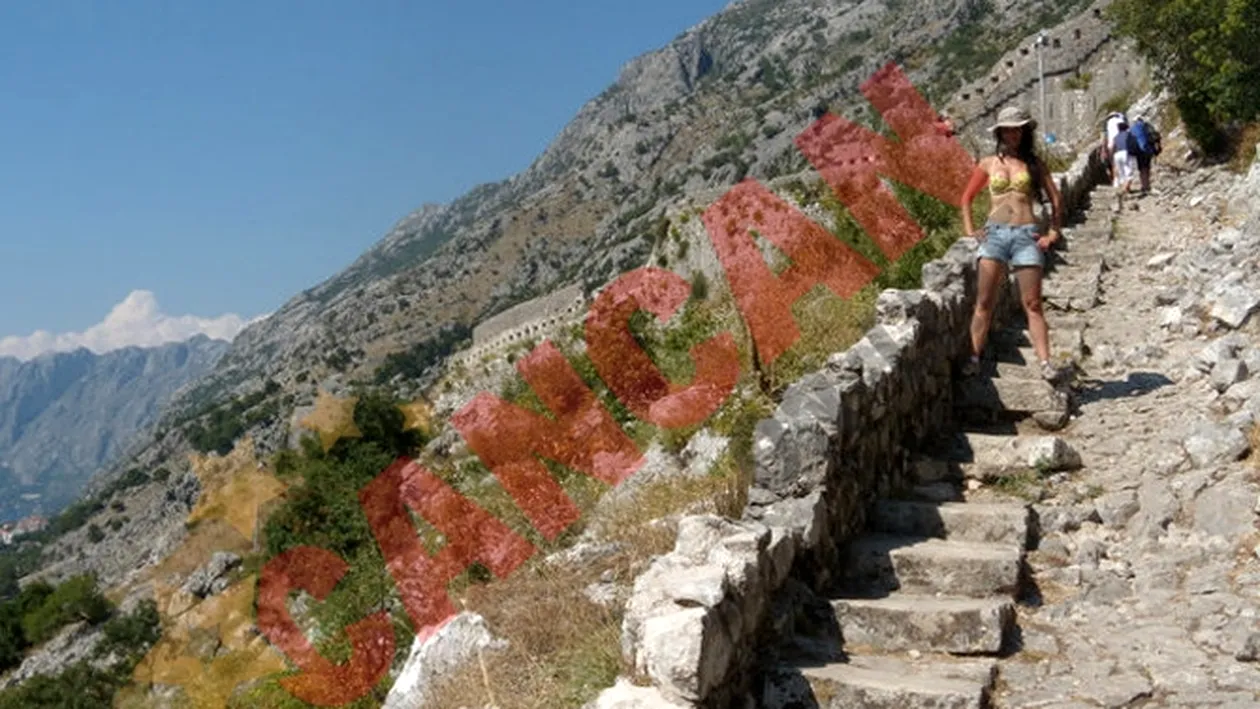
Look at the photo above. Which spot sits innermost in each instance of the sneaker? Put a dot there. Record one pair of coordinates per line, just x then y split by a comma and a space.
1049, 372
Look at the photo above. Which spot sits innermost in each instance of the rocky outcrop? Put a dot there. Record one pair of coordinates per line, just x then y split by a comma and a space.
461, 639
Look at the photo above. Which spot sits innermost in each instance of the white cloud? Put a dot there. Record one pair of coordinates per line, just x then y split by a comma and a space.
136, 321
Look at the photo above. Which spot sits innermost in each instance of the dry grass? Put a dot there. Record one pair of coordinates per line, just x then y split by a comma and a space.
828, 324
1253, 438
563, 648
1243, 148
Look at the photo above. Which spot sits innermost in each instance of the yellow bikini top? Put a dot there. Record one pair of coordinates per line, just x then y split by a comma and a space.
999, 184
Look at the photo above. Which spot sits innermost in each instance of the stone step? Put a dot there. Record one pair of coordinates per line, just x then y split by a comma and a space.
1089, 232
938, 492
984, 456
1073, 302
928, 471
892, 684
905, 622
1022, 396
1066, 321
1085, 266
1067, 334
969, 522
1013, 370
883, 563
1085, 289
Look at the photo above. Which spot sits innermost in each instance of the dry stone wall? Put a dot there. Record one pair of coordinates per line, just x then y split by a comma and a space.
842, 437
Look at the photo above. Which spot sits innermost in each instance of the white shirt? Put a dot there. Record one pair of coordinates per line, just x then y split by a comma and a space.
1113, 128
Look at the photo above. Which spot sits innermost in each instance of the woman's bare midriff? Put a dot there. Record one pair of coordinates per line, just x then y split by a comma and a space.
1014, 209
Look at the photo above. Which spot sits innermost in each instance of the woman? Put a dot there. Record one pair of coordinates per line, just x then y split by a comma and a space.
1009, 238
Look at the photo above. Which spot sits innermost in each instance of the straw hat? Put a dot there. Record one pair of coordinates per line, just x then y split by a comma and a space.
1013, 117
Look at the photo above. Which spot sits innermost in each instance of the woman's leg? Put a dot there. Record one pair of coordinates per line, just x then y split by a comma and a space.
1029, 278
992, 274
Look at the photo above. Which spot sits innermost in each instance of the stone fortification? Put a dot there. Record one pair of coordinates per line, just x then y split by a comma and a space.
699, 617
1085, 67
531, 319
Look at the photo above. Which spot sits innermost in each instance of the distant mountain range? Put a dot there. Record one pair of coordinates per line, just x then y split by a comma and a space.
65, 415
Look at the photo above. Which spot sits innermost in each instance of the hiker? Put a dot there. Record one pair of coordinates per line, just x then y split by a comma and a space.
1110, 127
1015, 177
1148, 143
1123, 161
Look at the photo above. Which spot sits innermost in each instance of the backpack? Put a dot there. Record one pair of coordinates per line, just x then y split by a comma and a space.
1141, 137
1131, 144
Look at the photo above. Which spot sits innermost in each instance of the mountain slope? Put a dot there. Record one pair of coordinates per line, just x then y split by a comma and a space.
722, 101
64, 415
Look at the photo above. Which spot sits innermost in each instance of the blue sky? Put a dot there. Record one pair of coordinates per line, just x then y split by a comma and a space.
225, 155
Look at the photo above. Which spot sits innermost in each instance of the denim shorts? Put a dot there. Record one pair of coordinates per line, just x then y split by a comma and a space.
1013, 245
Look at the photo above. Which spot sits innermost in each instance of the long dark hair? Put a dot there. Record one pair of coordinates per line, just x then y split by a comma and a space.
1026, 152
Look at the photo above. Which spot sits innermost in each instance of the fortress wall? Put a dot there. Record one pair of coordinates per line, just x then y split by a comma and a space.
1083, 45
532, 319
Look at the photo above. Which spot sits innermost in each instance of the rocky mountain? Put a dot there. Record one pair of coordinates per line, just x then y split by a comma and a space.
722, 101
65, 415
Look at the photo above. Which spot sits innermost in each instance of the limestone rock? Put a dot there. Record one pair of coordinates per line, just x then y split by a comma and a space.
626, 695
1250, 651
997, 455
1228, 373
1117, 508
455, 643
1234, 305
1210, 443
212, 579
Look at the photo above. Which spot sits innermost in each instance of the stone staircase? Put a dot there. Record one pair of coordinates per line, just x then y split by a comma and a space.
926, 604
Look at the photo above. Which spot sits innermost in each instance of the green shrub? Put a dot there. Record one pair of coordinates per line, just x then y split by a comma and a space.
1078, 81
79, 686
413, 362
12, 640
131, 634
75, 600
699, 286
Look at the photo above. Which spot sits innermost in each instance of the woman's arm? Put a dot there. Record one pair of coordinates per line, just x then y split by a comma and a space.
979, 178
1056, 206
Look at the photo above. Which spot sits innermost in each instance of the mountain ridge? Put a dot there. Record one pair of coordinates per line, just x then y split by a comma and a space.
64, 415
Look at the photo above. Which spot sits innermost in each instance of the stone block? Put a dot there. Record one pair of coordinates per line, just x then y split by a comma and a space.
686, 653
985, 456
906, 686
903, 622
929, 566
970, 521
1009, 395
